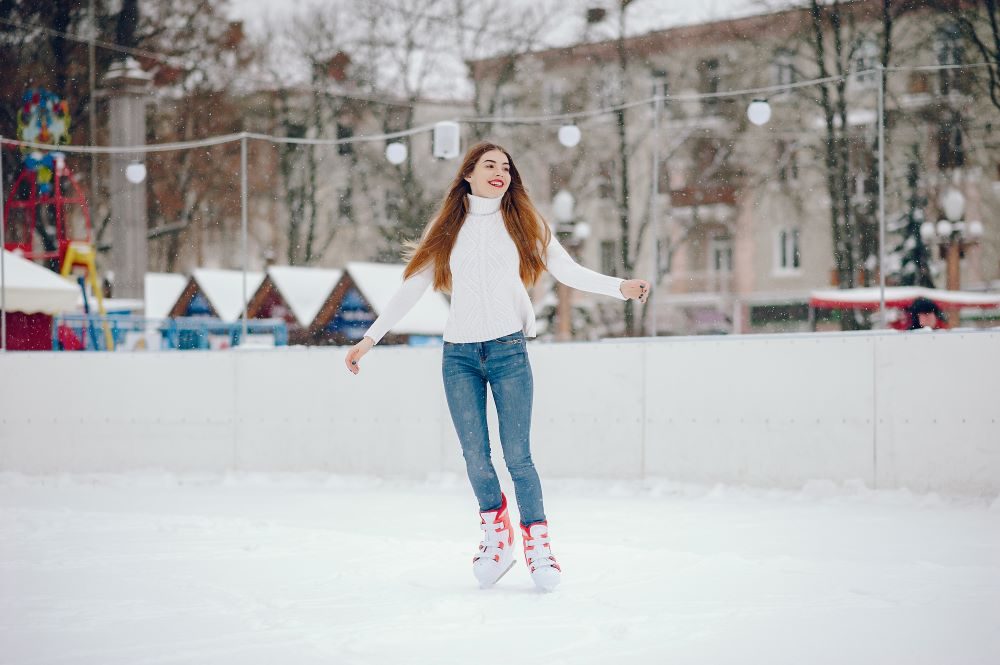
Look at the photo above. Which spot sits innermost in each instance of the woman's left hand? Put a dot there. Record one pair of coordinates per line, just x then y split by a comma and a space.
635, 288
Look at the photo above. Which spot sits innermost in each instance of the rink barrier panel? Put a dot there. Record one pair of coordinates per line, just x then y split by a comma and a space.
893, 410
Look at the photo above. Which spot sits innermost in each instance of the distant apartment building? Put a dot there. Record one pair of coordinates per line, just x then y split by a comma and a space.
741, 214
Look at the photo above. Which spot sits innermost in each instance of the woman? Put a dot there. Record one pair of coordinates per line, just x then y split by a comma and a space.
485, 245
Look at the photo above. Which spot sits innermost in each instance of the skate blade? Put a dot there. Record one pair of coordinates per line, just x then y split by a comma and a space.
487, 585
546, 580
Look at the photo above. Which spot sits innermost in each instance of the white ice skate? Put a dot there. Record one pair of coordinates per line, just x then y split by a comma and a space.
545, 571
496, 552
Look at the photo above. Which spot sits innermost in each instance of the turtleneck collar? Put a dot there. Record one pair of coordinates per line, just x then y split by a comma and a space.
480, 205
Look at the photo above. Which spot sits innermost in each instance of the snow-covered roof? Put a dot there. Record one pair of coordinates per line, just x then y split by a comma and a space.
162, 289
32, 289
304, 289
900, 296
223, 289
378, 282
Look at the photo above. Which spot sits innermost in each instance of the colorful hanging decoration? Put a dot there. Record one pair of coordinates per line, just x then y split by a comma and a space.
42, 118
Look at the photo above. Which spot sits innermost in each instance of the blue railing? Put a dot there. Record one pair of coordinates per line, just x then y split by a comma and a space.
87, 332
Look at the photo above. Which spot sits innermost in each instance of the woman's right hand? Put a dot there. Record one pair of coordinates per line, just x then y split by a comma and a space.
357, 351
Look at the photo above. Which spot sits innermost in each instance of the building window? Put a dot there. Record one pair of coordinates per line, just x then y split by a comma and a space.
345, 132
789, 258
866, 59
951, 151
721, 255
783, 67
605, 182
664, 257
660, 83
609, 257
709, 81
949, 50
345, 209
788, 162
762, 315
706, 157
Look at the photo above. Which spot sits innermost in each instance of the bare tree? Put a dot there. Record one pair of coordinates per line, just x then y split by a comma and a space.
194, 193
979, 21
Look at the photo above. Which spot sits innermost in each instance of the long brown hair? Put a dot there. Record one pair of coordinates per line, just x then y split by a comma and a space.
524, 223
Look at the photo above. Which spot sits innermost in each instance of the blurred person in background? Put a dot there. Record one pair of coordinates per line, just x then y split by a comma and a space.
925, 314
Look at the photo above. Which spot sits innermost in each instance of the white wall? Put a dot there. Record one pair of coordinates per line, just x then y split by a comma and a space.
894, 410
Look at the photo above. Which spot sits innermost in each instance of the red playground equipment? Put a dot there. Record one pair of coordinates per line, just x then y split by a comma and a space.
27, 205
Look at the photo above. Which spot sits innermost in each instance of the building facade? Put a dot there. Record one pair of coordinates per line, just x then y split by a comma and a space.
734, 222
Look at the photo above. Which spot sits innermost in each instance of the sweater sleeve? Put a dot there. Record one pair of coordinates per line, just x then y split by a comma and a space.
406, 296
569, 272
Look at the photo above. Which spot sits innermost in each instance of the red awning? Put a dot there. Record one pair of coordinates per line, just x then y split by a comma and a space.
900, 296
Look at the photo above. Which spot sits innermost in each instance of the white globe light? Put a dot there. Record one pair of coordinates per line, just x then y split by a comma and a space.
953, 204
975, 229
759, 112
396, 153
135, 172
927, 231
562, 205
581, 230
569, 135
944, 228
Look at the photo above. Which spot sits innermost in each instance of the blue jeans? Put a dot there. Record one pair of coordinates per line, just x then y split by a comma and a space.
503, 363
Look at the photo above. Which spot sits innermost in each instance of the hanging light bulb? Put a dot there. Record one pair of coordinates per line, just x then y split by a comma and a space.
759, 112
396, 153
569, 135
135, 172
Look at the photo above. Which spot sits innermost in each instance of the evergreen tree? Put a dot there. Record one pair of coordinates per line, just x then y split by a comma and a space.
912, 253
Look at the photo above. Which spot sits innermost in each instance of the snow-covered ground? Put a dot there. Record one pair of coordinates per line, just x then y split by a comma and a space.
145, 568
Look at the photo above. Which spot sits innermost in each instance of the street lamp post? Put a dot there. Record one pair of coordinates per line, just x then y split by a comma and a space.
953, 235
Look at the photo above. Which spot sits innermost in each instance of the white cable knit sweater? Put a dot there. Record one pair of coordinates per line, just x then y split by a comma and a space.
488, 299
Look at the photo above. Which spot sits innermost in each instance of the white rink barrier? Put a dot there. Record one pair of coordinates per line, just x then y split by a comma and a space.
893, 410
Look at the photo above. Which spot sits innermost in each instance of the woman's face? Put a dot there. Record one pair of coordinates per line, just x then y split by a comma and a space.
491, 176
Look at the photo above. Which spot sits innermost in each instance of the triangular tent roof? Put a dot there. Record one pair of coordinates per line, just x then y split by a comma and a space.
162, 289
223, 288
378, 282
305, 290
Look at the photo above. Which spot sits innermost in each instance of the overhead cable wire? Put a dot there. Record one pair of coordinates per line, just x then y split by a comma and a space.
538, 119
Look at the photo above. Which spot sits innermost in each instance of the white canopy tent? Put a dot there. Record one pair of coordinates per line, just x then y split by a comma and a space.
31, 288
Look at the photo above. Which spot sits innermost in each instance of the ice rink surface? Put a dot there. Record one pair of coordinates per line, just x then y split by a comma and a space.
302, 569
